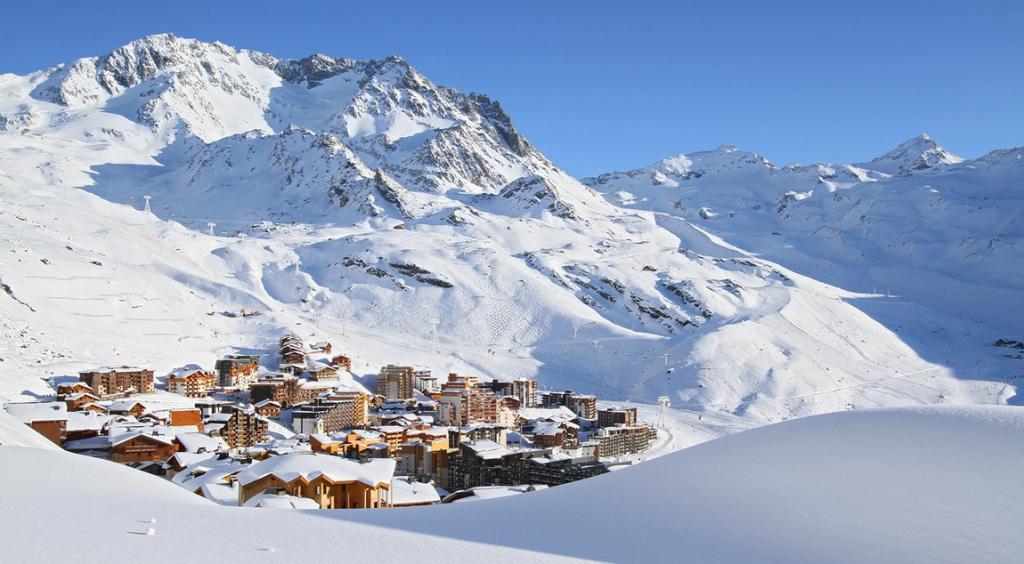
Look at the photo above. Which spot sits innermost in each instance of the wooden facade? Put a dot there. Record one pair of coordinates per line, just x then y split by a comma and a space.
186, 417
142, 448
55, 431
327, 493
268, 408
75, 401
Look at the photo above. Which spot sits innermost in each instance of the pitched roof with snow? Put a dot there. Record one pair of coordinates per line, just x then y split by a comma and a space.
546, 428
84, 421
407, 491
196, 442
112, 369
487, 449
141, 434
560, 412
39, 411
124, 405
271, 501
291, 467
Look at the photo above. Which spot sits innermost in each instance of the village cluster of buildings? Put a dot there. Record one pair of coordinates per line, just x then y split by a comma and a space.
414, 441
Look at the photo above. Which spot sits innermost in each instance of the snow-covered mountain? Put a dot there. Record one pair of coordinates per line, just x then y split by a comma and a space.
918, 221
375, 202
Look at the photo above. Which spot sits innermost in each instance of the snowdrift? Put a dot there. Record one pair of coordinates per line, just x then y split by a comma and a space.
905, 485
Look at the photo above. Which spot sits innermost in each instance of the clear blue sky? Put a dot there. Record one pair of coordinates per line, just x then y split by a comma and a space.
602, 86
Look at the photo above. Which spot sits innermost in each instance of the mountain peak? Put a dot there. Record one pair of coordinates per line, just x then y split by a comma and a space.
313, 69
916, 154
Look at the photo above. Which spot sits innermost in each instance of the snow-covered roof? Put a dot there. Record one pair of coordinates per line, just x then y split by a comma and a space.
195, 442
487, 449
91, 404
144, 433
112, 369
366, 434
220, 492
560, 412
213, 481
272, 501
310, 466
38, 411
281, 446
319, 386
475, 426
407, 491
546, 428
124, 405
218, 418
267, 403
77, 396
186, 459
326, 439
101, 442
84, 421
492, 492
183, 373
120, 428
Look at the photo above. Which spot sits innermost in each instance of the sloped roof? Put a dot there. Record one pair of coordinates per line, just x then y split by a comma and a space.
193, 442
36, 411
141, 434
291, 467
271, 501
84, 421
124, 405
113, 369
406, 491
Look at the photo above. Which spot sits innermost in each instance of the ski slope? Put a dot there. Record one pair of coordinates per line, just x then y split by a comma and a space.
356, 202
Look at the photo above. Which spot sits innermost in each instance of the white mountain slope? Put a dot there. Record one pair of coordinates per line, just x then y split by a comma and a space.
528, 271
909, 485
944, 240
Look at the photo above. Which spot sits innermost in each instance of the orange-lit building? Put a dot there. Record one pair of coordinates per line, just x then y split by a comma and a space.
118, 379
191, 383
332, 481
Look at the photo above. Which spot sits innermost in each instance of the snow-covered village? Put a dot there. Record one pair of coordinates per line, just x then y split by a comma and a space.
240, 434
526, 281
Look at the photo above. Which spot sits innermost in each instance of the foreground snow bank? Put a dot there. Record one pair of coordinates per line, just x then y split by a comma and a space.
903, 485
